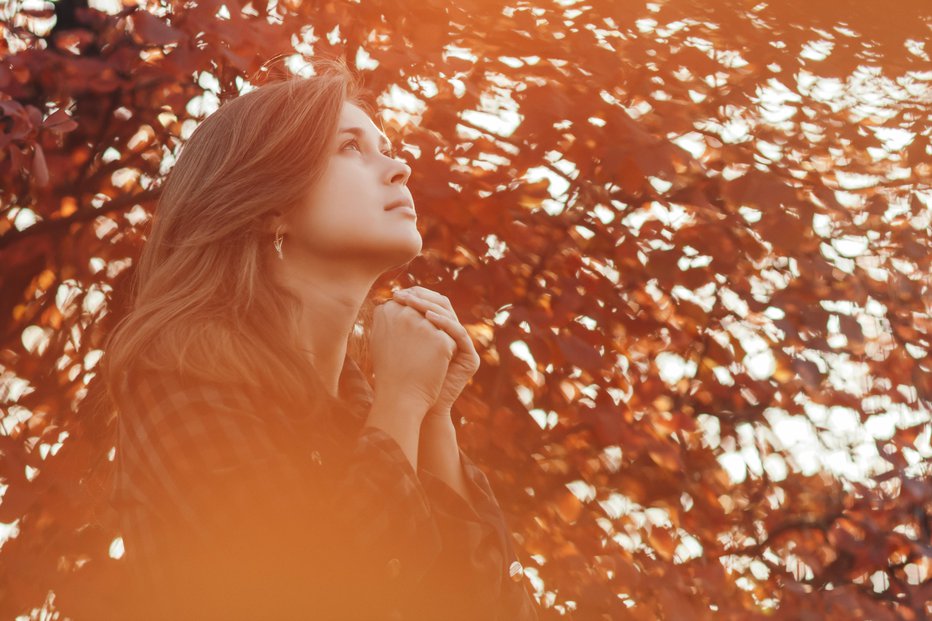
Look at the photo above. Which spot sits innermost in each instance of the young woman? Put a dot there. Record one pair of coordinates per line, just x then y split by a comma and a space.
259, 474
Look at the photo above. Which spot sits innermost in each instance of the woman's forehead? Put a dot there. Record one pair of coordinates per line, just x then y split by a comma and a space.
354, 116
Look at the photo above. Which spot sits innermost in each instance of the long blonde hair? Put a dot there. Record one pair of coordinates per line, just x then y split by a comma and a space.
203, 300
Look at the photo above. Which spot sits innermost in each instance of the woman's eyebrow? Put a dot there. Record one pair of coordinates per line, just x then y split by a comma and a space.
359, 132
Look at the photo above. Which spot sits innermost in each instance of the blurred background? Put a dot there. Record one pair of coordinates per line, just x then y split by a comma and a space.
691, 241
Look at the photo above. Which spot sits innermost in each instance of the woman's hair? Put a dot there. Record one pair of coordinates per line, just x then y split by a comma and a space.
203, 301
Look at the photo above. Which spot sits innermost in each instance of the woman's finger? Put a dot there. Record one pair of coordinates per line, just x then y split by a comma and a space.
451, 324
417, 301
433, 296
454, 329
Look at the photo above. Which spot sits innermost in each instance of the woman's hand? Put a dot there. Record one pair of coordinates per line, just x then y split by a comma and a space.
410, 355
465, 362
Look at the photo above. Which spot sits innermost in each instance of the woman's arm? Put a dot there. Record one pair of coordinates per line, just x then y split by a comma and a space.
478, 575
400, 418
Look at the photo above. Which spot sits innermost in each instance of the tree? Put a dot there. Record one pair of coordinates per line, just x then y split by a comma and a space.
621, 199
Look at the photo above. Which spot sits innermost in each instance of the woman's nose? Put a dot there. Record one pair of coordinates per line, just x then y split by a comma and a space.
400, 171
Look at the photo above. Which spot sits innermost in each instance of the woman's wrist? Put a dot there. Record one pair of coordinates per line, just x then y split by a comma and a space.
405, 402
399, 415
437, 418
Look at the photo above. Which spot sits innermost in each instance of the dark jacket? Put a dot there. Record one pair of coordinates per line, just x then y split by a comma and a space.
232, 507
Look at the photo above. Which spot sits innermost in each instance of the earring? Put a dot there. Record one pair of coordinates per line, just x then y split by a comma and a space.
278, 243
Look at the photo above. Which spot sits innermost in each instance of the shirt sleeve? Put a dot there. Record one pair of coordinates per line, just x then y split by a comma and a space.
478, 575
228, 521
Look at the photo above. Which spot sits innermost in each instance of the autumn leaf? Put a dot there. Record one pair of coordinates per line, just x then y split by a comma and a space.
694, 264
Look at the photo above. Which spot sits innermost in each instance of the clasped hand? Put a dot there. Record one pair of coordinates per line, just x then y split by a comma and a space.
437, 308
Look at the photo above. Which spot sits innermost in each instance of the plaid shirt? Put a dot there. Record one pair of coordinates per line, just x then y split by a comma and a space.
234, 508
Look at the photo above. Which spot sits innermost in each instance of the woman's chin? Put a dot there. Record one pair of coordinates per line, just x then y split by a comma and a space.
406, 251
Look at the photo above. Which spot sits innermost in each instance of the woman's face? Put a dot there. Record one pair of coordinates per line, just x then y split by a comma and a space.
345, 216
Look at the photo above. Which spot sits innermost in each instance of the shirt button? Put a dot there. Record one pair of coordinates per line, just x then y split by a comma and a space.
394, 567
516, 571
315, 457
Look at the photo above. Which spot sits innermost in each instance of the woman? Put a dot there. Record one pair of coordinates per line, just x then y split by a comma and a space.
259, 475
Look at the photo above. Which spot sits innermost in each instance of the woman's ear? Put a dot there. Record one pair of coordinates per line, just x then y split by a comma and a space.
275, 221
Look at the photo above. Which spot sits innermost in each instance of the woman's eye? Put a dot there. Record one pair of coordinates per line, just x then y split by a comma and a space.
392, 153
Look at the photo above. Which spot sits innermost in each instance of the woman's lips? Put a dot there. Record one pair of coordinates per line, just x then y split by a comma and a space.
405, 209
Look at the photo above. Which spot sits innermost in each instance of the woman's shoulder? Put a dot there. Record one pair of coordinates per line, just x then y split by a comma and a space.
189, 430
160, 389
168, 408
168, 401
